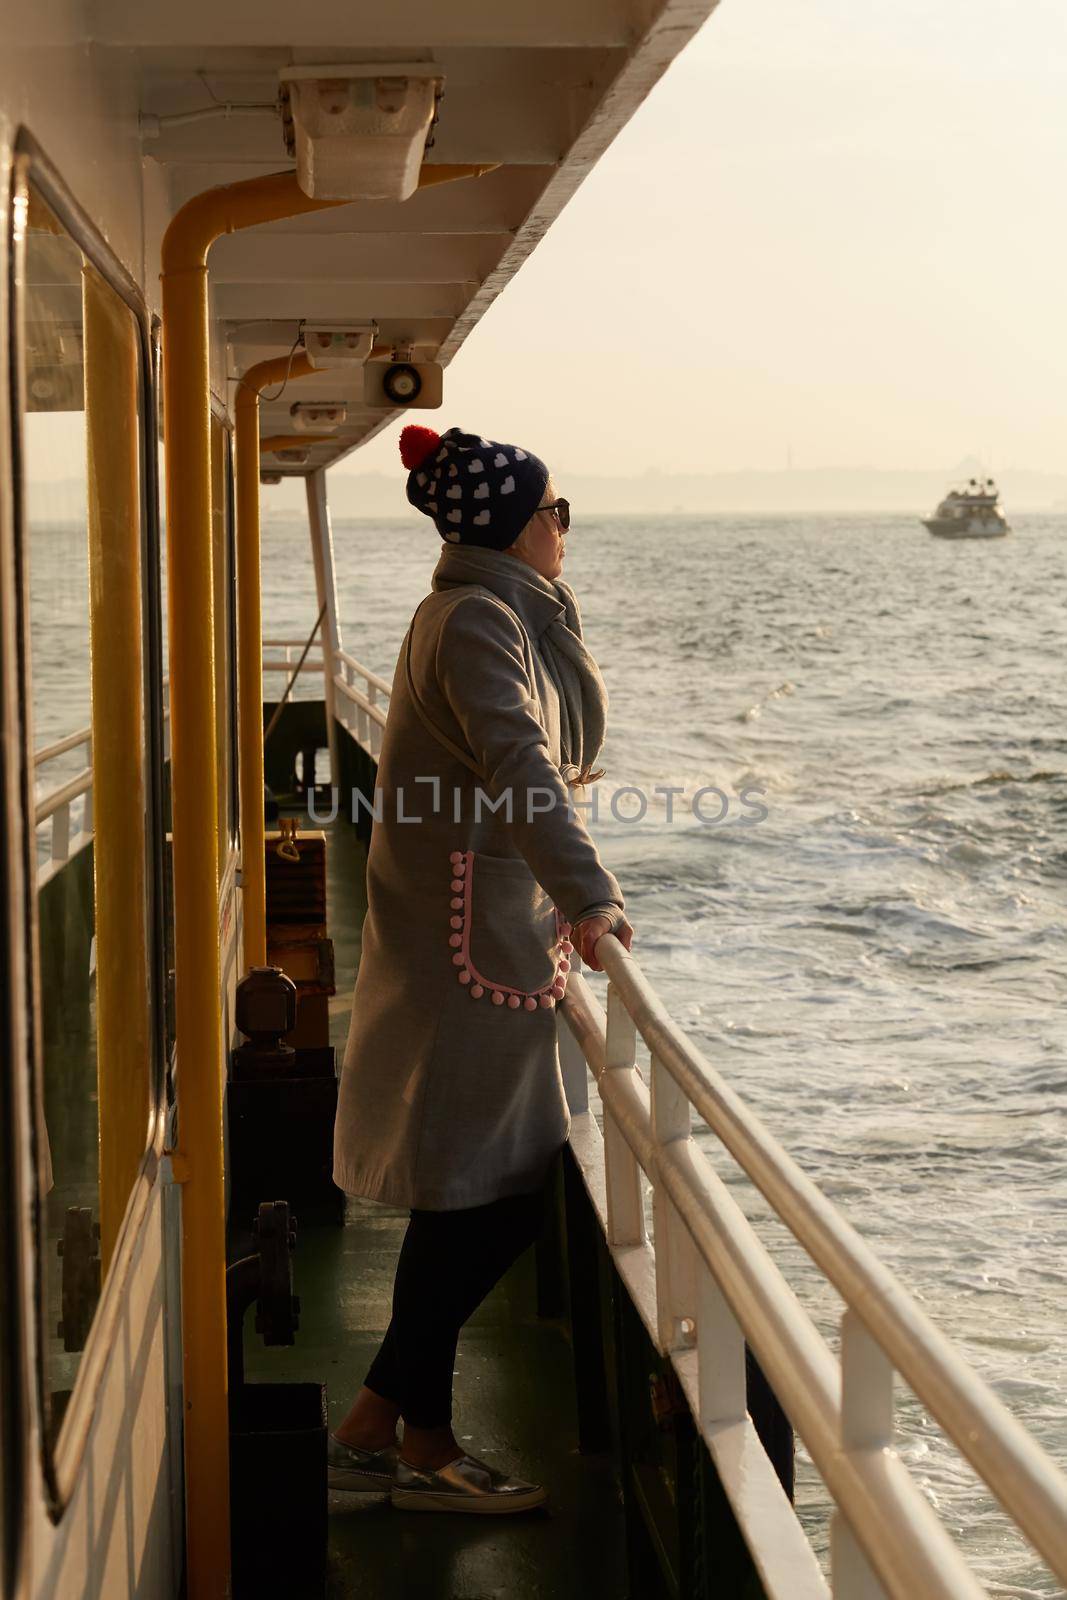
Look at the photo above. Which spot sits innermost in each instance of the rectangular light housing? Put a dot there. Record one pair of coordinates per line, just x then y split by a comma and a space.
358, 131
338, 344
318, 416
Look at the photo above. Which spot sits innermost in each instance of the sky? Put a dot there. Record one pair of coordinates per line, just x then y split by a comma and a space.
834, 235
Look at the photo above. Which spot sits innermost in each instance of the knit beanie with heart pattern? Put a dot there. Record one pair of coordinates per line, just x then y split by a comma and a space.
476, 490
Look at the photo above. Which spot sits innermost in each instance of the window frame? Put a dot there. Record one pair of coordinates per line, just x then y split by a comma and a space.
229, 526
168, 1051
61, 1463
234, 817
15, 1408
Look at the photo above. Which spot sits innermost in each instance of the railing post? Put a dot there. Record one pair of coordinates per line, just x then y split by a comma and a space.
622, 1174
349, 705
87, 812
676, 1260
866, 1424
363, 726
720, 1356
61, 834
866, 1389
375, 728
853, 1577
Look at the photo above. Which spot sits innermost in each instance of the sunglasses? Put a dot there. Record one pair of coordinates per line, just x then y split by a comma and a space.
562, 508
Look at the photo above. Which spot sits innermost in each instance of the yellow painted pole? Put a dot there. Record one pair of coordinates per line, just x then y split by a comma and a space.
198, 1159
119, 846
198, 999
250, 645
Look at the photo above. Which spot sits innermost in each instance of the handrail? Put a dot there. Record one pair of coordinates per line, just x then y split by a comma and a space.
1032, 1489
373, 679
706, 1248
74, 787
375, 712
55, 804
381, 684
48, 752
359, 710
273, 664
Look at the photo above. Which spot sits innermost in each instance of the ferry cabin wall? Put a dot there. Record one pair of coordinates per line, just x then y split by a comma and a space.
120, 1530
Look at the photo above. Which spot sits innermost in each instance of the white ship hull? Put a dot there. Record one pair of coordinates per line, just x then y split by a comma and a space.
971, 528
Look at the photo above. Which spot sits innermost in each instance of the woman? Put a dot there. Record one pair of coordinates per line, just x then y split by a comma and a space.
451, 1101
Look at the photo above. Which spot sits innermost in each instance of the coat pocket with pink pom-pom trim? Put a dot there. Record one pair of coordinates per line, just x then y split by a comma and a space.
510, 945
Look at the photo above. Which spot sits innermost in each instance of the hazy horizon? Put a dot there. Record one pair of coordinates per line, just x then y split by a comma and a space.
856, 492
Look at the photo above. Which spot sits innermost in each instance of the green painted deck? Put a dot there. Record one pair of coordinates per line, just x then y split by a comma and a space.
514, 1389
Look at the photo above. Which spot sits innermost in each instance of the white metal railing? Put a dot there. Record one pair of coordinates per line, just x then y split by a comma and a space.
292, 649
361, 697
362, 709
56, 805
706, 1284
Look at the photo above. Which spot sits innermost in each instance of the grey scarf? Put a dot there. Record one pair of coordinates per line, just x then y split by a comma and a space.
583, 698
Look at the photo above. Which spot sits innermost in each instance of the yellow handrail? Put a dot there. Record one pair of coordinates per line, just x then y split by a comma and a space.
249, 652
198, 1160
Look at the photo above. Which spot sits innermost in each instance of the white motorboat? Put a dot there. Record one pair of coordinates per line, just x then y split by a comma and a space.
969, 513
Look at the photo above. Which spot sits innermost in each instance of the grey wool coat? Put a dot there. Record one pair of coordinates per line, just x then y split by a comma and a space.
451, 1094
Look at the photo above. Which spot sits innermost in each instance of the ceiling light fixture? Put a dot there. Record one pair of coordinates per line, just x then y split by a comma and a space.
358, 131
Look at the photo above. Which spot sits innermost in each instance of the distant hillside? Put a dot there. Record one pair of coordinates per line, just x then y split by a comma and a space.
818, 489
380, 494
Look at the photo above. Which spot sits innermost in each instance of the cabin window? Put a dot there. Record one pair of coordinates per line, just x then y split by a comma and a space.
82, 561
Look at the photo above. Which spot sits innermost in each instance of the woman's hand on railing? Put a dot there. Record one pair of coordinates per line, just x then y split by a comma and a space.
584, 936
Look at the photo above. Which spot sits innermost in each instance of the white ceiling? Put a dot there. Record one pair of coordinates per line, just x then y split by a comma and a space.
538, 87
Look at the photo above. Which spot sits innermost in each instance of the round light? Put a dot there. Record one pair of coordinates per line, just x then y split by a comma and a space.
401, 384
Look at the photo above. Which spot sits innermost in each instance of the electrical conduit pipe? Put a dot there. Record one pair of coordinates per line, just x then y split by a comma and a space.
198, 1160
249, 635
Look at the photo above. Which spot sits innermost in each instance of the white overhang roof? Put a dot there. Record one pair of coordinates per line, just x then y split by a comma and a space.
538, 87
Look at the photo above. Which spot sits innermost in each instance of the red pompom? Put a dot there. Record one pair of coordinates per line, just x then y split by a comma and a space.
416, 444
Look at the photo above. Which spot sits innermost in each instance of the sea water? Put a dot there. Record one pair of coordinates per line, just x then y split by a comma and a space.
877, 964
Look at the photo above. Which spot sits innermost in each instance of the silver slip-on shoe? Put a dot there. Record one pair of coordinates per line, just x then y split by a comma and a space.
361, 1471
466, 1485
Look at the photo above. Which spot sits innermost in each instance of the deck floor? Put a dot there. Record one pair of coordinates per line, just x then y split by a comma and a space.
514, 1393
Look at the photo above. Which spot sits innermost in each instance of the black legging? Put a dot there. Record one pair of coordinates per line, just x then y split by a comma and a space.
448, 1263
